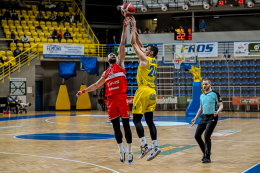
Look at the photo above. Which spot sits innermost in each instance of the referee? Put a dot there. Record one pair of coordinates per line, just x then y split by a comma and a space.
209, 119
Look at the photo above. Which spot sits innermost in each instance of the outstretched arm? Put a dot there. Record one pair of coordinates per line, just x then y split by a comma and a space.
93, 87
121, 55
141, 55
138, 41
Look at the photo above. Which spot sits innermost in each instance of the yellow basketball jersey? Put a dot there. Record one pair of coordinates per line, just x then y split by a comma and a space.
146, 74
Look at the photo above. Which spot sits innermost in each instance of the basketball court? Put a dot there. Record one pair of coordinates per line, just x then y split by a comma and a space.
83, 141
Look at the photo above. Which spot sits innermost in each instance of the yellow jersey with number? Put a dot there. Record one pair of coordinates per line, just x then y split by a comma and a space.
146, 74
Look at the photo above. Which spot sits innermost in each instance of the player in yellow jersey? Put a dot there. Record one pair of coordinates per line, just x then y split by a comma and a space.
145, 97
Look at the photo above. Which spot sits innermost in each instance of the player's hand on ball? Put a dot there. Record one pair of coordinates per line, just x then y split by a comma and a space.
133, 22
79, 94
126, 21
193, 122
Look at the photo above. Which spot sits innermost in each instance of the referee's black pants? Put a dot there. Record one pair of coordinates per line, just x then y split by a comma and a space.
208, 122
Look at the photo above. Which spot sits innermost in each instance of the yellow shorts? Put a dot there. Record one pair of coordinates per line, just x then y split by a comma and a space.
144, 100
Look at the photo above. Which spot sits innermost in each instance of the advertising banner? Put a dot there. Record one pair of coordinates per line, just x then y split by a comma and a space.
246, 101
166, 100
129, 51
246, 48
63, 51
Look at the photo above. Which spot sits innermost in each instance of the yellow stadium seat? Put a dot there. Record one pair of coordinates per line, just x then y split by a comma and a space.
24, 12
88, 41
9, 53
69, 41
7, 34
26, 29
6, 28
79, 25
70, 9
61, 13
44, 29
29, 6
70, 30
30, 13
82, 31
63, 30
56, 41
32, 29
73, 25
36, 23
26, 18
31, 40
12, 46
34, 49
26, 45
76, 41
48, 13
34, 34
51, 29
44, 40
29, 23
76, 30
67, 13
41, 35
48, 24
79, 36
55, 13
46, 33
82, 41
3, 11
85, 36
40, 47
4, 22
3, 53
32, 18
63, 40
16, 23
91, 46
35, 13
37, 40
23, 23
54, 24
18, 12
34, 6
50, 40
42, 23
29, 34
12, 28
39, 31
20, 46
67, 25
85, 46
20, 34
10, 22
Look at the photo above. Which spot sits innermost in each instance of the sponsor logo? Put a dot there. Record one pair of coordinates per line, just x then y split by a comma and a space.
201, 48
225, 132
152, 97
111, 74
134, 107
241, 47
169, 100
249, 101
110, 89
112, 83
53, 48
239, 52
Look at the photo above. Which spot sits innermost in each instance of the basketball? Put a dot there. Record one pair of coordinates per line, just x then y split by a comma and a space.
128, 10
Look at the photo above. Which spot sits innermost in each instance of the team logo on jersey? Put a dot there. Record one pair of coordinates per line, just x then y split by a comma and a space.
134, 107
152, 97
110, 74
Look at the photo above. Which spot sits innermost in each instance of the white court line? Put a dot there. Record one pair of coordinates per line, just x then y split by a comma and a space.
62, 159
47, 120
251, 168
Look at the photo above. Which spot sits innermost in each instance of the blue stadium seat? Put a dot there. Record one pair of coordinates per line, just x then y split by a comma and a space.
210, 64
176, 93
251, 93
129, 76
210, 75
224, 93
237, 63
135, 82
189, 82
237, 75
223, 69
244, 75
129, 70
216, 69
257, 81
176, 76
216, 75
231, 69
237, 82
224, 82
136, 64
216, 89
129, 88
216, 82
189, 93
237, 88
257, 69
126, 65
182, 76
217, 64
237, 69
244, 93
231, 91
203, 75
251, 82
257, 75
244, 82
231, 75
203, 69
231, 63
182, 70
183, 93
251, 63
134, 76
176, 88
223, 75
128, 93
245, 69
223, 63
251, 75
231, 82
203, 64
183, 82
244, 63
130, 82
130, 65
258, 91
189, 75
251, 69
257, 63
210, 70
237, 93
251, 88
176, 82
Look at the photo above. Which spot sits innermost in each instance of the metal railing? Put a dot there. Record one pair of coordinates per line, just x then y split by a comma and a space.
85, 23
15, 63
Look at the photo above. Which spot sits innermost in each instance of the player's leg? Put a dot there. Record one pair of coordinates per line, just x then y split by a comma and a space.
208, 132
200, 129
128, 136
118, 135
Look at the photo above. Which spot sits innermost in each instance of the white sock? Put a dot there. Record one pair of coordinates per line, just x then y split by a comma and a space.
129, 147
121, 147
154, 143
143, 141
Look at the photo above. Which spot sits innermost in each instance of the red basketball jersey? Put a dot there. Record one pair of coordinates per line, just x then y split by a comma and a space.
115, 80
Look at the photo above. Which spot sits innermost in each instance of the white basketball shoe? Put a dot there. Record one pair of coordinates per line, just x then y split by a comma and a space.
130, 158
155, 151
144, 150
122, 155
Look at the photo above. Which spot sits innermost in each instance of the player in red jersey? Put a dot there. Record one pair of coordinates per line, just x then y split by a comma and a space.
116, 87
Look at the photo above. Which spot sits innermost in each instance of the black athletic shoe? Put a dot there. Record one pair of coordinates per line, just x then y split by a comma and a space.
203, 158
206, 160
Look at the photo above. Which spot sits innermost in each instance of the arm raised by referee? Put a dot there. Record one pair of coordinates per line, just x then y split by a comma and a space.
210, 105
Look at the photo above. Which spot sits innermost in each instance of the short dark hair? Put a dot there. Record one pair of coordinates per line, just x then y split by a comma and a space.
154, 49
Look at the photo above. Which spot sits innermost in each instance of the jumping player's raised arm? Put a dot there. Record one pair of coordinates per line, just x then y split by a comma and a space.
141, 55
138, 41
121, 55
94, 86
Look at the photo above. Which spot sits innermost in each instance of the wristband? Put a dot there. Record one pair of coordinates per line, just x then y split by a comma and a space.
83, 91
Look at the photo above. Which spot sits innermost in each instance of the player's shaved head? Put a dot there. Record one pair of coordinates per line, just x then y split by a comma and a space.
207, 80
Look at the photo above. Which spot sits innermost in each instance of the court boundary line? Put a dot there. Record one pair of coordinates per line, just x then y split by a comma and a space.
57, 158
251, 167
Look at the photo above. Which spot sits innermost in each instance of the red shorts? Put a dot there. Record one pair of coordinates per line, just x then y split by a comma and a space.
117, 106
